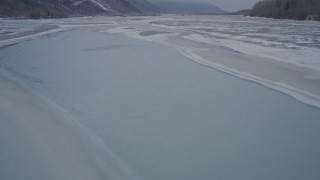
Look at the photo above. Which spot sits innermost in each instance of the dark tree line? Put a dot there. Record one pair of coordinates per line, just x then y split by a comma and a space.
34, 8
287, 9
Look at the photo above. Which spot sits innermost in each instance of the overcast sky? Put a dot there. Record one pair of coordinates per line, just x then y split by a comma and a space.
229, 5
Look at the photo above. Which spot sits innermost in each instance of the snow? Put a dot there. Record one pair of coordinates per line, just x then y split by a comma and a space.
305, 58
122, 98
77, 3
41, 140
104, 7
33, 34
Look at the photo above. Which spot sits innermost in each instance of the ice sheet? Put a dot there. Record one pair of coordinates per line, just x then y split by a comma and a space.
135, 102
299, 56
41, 140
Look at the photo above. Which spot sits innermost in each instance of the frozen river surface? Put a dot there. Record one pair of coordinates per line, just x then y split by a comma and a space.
193, 97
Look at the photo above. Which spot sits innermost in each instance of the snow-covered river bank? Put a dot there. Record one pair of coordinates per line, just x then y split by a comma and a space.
141, 98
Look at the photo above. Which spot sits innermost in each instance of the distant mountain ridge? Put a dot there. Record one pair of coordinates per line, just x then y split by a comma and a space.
188, 7
63, 8
144, 6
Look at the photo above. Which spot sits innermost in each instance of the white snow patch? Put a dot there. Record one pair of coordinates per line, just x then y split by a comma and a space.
300, 95
28, 37
77, 3
104, 7
302, 56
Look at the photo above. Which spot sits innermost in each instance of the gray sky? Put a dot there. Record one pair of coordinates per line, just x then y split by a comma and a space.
229, 5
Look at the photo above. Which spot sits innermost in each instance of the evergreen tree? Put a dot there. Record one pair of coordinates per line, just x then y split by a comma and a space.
291, 9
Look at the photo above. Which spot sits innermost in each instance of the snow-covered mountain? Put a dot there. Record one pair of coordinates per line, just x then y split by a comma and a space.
188, 7
63, 8
144, 6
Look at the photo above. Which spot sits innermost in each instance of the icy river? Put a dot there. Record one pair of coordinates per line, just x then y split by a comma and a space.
167, 97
